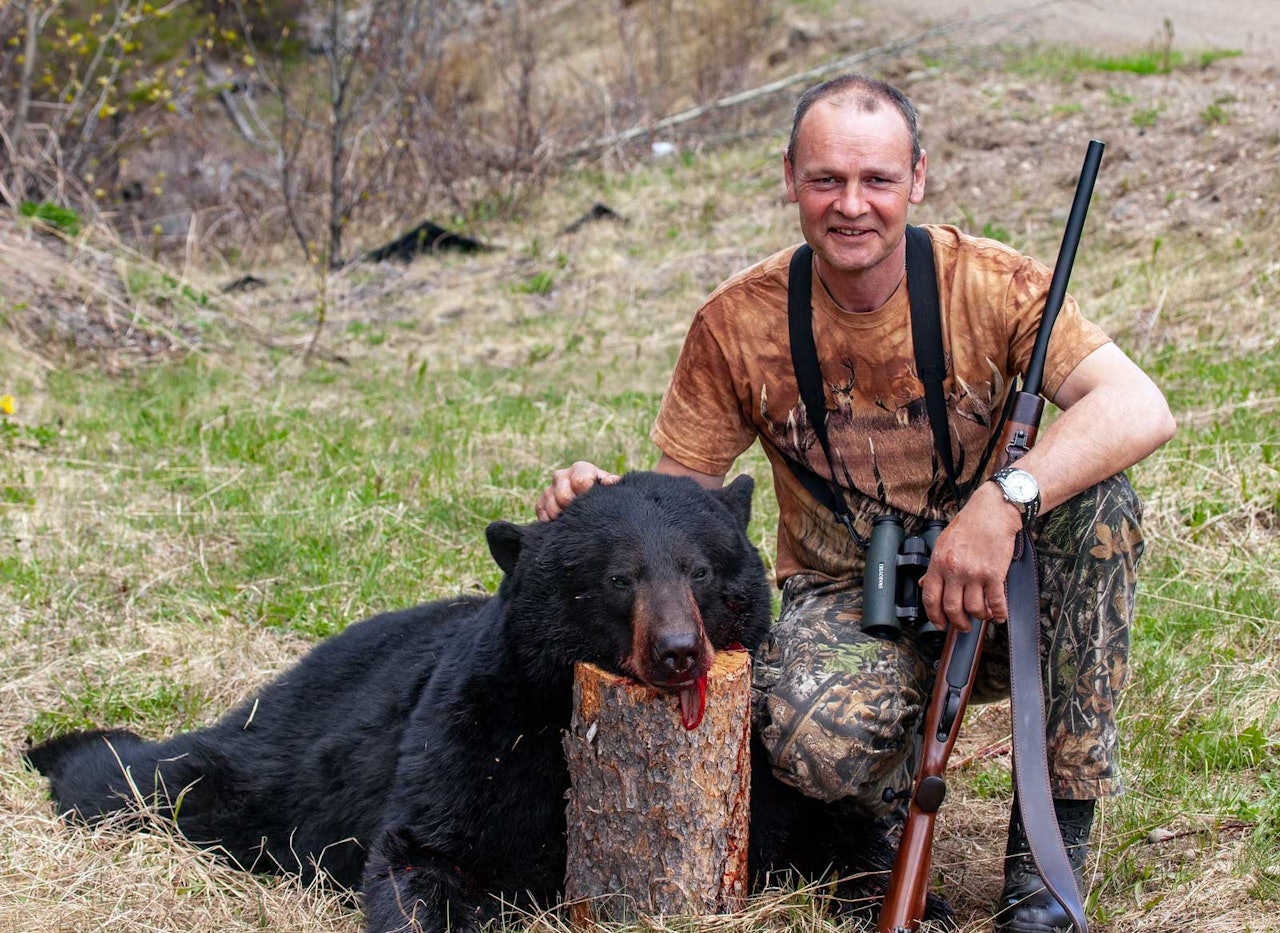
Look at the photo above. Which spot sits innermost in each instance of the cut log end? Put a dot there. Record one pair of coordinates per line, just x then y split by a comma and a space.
658, 814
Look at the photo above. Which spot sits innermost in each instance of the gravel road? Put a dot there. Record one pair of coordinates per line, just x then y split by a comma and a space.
1249, 26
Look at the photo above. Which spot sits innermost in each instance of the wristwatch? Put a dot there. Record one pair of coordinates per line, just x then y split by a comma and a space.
1020, 488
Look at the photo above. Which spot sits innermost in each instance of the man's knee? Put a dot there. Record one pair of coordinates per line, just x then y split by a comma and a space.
1102, 519
845, 734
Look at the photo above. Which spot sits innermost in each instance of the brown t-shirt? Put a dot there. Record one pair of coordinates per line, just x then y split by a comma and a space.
734, 382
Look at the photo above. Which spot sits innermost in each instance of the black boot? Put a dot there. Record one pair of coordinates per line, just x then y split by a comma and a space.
1026, 906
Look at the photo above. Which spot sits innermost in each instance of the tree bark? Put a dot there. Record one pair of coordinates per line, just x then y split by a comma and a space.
658, 815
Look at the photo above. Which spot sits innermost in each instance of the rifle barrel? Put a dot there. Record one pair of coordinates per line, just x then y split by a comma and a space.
1062, 269
904, 902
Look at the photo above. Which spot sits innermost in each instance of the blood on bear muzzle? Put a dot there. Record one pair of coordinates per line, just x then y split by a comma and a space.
670, 649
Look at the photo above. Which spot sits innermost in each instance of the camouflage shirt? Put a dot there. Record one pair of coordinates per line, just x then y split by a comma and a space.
734, 382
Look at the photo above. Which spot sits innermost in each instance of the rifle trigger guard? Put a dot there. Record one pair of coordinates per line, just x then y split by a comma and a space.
949, 713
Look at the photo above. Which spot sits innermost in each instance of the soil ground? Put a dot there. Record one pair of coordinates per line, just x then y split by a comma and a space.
1193, 156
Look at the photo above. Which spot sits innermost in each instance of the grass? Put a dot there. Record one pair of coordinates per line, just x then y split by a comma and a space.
61, 218
1064, 63
296, 489
176, 528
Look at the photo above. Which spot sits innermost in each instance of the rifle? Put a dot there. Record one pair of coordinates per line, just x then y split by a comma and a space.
904, 901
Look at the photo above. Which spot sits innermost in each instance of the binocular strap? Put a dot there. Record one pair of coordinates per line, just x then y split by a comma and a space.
1030, 755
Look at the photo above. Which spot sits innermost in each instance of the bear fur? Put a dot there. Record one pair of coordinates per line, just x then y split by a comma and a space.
417, 755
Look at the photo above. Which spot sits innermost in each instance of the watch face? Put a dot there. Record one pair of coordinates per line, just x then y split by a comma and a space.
1020, 486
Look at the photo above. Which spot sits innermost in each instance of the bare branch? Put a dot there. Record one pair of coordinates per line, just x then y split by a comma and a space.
804, 77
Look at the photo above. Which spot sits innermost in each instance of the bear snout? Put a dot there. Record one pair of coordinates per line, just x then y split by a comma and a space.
679, 654
669, 647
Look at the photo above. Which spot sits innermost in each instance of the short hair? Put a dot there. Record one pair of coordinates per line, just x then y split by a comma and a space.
865, 93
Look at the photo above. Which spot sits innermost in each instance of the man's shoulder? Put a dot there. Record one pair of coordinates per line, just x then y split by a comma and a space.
966, 252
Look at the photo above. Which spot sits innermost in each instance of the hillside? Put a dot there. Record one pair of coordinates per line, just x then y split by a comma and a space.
195, 486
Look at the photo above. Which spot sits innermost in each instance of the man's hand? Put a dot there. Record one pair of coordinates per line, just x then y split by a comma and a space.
970, 562
567, 484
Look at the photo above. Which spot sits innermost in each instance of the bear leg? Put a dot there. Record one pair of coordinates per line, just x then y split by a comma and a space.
409, 887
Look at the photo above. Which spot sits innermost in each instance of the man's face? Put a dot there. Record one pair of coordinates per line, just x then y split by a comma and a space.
853, 180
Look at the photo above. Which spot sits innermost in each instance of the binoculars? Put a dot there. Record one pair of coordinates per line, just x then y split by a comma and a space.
891, 595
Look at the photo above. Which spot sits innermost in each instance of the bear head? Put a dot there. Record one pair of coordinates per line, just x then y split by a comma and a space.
647, 578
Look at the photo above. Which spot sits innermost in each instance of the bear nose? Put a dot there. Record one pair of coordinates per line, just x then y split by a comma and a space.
678, 653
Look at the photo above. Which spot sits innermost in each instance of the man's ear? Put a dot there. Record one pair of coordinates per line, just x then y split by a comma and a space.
789, 177
917, 179
505, 540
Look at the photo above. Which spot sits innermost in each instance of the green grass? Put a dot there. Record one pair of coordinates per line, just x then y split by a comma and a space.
1203, 715
62, 218
1064, 63
155, 705
368, 503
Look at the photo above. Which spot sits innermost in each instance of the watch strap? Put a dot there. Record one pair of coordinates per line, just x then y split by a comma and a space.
1030, 509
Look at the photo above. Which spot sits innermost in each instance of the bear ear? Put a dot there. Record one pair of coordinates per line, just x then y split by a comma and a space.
737, 498
505, 540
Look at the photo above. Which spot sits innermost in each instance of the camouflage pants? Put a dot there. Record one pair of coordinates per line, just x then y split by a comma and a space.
840, 711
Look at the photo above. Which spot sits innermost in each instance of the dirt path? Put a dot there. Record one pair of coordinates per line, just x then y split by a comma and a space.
1249, 26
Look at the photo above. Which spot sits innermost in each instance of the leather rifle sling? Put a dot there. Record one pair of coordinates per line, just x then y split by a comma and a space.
1030, 756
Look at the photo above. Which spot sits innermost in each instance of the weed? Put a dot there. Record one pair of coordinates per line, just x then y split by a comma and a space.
35, 436
1207, 58
1062, 62
994, 232
61, 218
538, 284
366, 333
1145, 118
1215, 114
994, 782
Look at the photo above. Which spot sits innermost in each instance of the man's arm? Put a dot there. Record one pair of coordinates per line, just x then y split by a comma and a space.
675, 468
570, 482
1112, 416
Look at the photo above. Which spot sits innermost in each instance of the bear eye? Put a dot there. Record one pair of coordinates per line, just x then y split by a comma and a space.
619, 582
699, 573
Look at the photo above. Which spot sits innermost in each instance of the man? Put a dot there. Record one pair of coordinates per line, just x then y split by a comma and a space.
839, 710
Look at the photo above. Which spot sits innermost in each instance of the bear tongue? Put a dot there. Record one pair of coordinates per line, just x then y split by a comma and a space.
693, 702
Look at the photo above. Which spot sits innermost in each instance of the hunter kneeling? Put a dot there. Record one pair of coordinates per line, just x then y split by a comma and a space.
839, 709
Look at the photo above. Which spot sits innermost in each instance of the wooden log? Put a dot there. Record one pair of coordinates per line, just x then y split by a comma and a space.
658, 814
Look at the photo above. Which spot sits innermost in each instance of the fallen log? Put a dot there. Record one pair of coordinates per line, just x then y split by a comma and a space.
426, 238
657, 814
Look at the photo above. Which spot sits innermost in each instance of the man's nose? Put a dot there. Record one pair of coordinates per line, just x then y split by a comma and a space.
851, 202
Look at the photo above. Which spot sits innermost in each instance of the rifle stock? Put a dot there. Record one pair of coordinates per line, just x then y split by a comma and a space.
904, 902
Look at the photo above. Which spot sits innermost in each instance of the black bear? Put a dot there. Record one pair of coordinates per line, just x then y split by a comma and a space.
417, 755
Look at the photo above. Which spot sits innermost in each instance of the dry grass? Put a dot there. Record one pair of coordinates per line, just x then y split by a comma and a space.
120, 622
